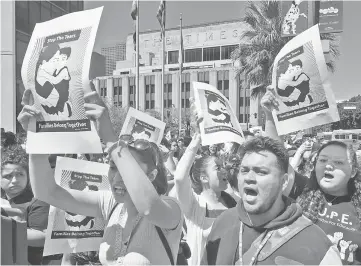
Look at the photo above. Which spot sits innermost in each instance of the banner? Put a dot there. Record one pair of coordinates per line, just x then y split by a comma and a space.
69, 232
56, 70
219, 124
331, 16
143, 126
303, 91
294, 14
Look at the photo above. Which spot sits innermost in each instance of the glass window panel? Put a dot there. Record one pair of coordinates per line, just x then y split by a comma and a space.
193, 55
173, 57
152, 104
22, 16
226, 51
73, 6
219, 85
45, 11
56, 12
226, 85
34, 7
169, 103
211, 53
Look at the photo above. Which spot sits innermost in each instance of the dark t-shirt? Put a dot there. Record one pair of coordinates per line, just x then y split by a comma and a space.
36, 216
339, 220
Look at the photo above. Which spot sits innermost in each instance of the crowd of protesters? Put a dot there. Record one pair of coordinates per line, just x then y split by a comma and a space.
269, 201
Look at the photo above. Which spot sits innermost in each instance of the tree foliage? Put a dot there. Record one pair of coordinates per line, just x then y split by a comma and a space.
261, 42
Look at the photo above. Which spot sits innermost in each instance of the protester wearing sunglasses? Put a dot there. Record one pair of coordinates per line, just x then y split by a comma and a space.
140, 219
330, 196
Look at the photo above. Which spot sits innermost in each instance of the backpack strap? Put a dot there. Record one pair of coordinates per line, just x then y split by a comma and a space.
165, 244
279, 238
111, 212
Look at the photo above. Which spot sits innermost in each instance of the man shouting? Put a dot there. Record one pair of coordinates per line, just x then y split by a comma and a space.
266, 228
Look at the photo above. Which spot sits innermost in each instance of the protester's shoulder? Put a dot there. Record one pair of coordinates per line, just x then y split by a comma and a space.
173, 201
314, 235
38, 203
227, 219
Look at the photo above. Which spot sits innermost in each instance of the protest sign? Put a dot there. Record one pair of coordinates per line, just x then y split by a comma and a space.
70, 232
294, 17
143, 126
300, 79
219, 123
56, 70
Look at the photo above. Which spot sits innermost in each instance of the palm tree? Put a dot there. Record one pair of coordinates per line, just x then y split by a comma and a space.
261, 42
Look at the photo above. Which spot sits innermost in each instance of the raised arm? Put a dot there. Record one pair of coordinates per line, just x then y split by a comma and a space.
182, 182
269, 102
165, 214
42, 176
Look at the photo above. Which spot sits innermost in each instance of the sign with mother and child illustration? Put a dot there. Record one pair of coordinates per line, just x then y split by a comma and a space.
219, 123
56, 70
300, 79
143, 126
69, 232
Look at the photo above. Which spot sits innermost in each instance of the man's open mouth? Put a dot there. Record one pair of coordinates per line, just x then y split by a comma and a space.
250, 192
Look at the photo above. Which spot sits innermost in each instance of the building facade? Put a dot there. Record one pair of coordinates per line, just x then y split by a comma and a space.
207, 51
18, 19
113, 54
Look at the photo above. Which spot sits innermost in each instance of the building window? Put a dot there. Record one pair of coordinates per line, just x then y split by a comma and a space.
226, 51
22, 42
103, 87
173, 57
211, 53
117, 91
186, 82
240, 118
132, 91
223, 82
167, 89
149, 84
203, 77
34, 10
45, 11
152, 104
193, 55
56, 12
22, 16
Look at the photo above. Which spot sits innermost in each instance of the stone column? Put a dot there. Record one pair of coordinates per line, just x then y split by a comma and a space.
125, 91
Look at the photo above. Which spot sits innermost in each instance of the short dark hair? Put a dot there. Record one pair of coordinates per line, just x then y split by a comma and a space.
260, 143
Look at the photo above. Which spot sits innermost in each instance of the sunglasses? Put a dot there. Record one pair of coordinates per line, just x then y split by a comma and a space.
140, 145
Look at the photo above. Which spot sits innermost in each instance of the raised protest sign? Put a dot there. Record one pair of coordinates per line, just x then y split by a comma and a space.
294, 17
71, 232
219, 124
143, 126
56, 70
300, 79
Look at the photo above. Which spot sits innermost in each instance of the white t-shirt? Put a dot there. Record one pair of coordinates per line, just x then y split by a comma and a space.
198, 228
145, 240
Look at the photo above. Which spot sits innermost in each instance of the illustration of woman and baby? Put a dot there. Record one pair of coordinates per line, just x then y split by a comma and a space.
293, 80
52, 82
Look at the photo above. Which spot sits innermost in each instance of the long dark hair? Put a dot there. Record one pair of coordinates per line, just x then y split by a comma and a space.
312, 199
154, 155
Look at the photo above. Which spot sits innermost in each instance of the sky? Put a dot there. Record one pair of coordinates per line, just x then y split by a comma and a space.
116, 24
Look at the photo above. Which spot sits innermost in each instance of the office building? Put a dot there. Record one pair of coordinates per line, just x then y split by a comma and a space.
18, 19
207, 50
112, 55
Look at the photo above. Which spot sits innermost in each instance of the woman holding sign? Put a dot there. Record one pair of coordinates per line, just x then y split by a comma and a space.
331, 195
142, 223
200, 186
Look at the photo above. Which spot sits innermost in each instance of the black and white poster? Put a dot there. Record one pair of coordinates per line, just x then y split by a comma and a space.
70, 232
219, 123
300, 80
56, 70
143, 126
